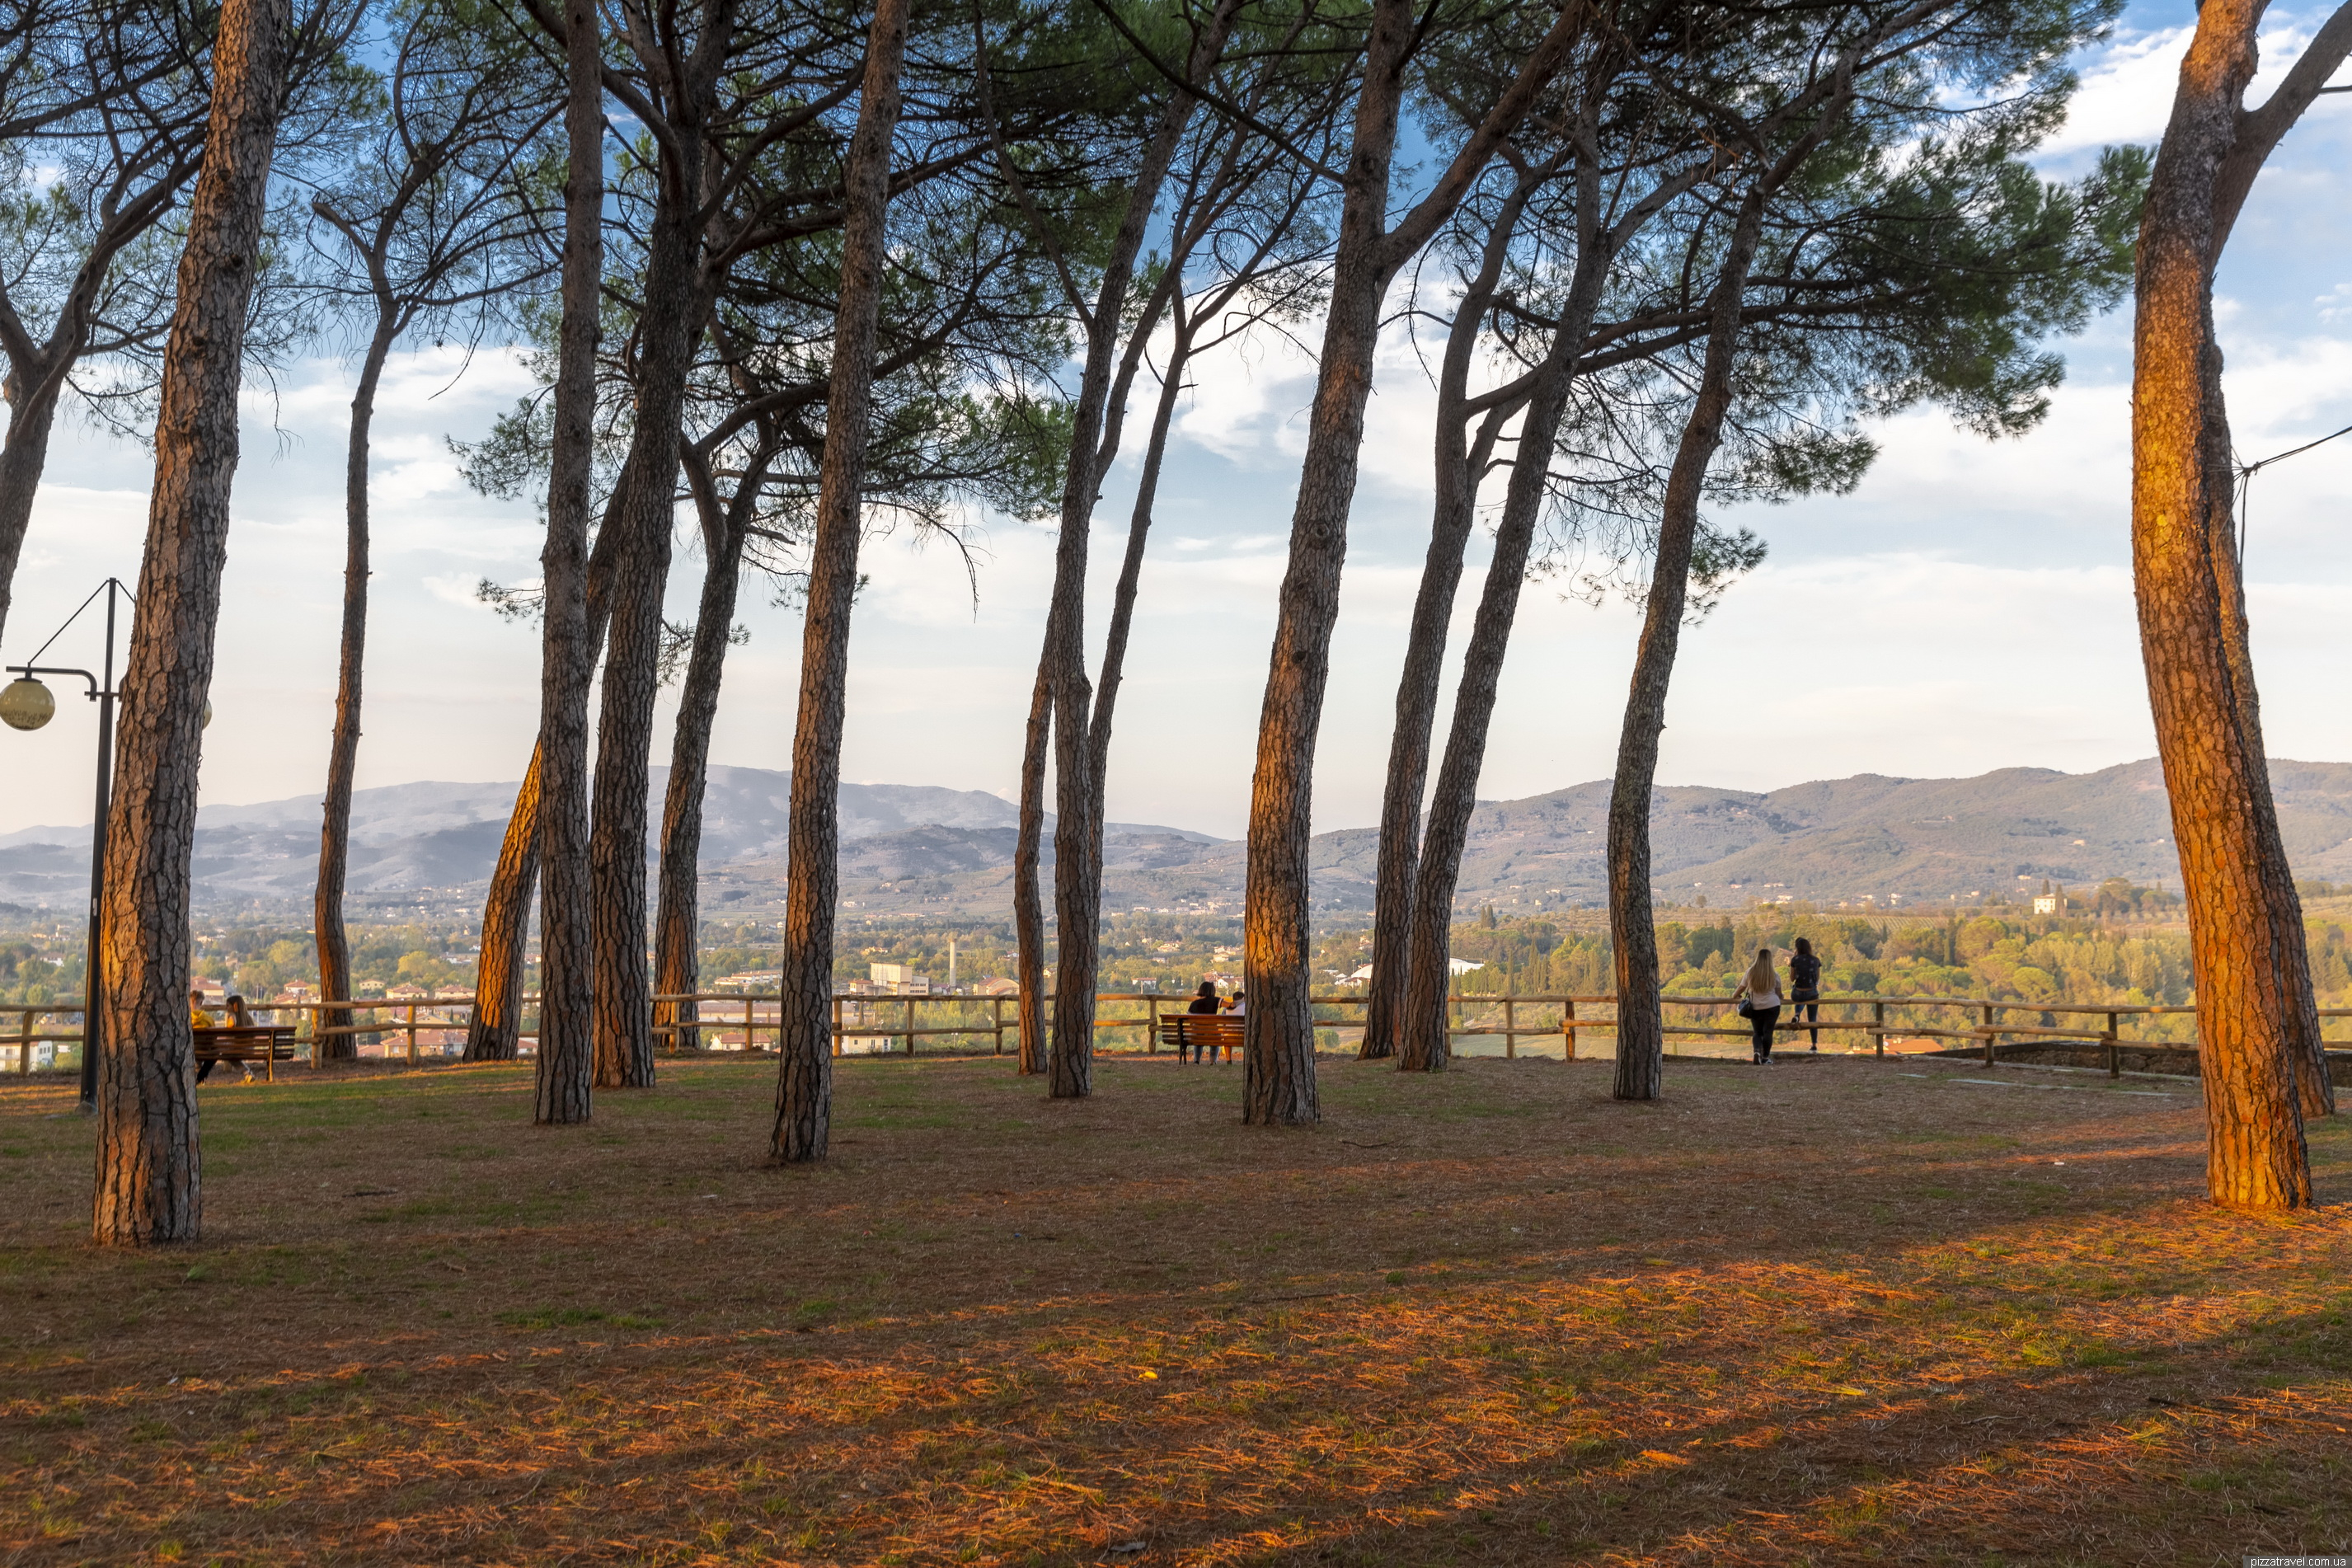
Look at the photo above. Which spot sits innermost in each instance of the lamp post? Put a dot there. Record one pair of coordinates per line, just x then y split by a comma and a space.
25, 704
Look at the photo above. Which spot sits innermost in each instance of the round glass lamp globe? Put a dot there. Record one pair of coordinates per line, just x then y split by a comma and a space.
25, 704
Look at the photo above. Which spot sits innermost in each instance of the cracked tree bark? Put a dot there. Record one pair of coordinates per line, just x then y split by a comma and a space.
566, 1063
804, 1073
149, 1179
2256, 1025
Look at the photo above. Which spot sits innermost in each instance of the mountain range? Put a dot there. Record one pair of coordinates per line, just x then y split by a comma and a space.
910, 849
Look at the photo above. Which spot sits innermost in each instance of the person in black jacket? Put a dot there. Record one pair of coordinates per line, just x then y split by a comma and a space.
1805, 989
1204, 1000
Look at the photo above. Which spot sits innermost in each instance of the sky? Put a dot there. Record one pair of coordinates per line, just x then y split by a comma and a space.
1969, 608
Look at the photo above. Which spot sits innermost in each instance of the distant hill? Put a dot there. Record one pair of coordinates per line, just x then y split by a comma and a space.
913, 848
440, 840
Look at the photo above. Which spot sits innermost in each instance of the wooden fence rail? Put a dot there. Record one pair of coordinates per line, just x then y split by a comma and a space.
857, 1018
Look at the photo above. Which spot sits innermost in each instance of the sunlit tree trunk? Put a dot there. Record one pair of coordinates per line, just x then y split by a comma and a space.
804, 1079
566, 1063
2256, 1024
494, 1032
149, 1179
343, 749
1278, 1027
1640, 1041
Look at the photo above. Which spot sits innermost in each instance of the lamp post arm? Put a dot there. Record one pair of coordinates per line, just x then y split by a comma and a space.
29, 671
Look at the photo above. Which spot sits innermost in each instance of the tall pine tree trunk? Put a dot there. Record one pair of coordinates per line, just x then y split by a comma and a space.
1458, 468
643, 507
1078, 836
1641, 1023
566, 1064
1424, 1045
2256, 1024
1278, 1026
677, 918
343, 749
149, 1179
804, 1077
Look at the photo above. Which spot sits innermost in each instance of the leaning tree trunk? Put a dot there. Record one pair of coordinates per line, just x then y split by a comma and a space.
1424, 1046
495, 1032
1028, 912
32, 398
1397, 867
1641, 1024
343, 749
566, 994
1459, 464
148, 1186
805, 1075
2243, 933
678, 917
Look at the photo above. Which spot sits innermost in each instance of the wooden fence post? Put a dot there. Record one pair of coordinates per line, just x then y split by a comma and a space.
1568, 1027
1991, 1060
412, 1033
1510, 1038
910, 1024
836, 1029
2114, 1053
25, 1042
996, 1023
1878, 1026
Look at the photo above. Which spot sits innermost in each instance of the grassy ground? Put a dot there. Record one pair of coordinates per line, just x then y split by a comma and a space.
1835, 1312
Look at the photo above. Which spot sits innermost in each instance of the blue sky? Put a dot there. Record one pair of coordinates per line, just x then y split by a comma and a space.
1969, 608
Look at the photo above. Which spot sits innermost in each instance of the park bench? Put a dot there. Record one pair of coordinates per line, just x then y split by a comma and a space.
1207, 1033
269, 1044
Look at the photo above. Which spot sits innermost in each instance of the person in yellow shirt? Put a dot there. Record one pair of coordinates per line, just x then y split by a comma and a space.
197, 1017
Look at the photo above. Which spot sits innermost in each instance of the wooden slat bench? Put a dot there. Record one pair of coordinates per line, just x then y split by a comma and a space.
265, 1043
1205, 1033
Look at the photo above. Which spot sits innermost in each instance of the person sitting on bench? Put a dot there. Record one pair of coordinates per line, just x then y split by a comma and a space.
238, 1018
197, 1017
1204, 1000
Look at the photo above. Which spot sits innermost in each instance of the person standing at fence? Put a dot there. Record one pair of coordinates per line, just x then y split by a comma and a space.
1805, 990
1759, 1003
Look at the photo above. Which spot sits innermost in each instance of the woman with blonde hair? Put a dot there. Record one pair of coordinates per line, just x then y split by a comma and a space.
1759, 1003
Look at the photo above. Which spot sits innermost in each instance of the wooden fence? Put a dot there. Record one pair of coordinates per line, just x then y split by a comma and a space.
736, 1020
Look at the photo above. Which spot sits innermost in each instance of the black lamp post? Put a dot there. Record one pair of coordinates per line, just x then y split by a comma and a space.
25, 704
